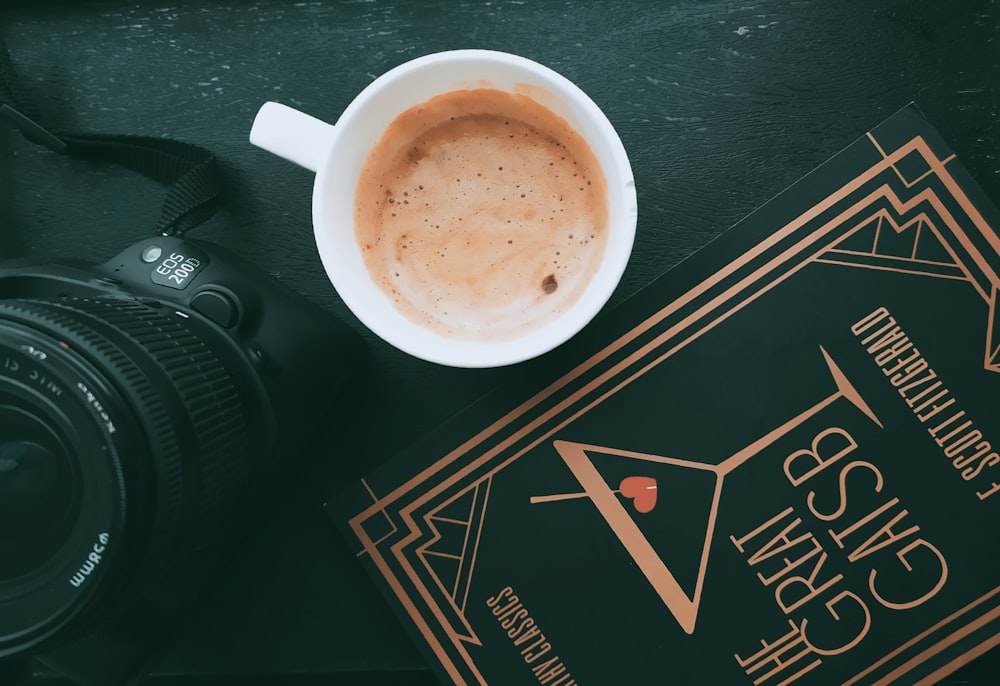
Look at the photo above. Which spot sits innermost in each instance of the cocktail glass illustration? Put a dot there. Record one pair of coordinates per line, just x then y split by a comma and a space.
641, 494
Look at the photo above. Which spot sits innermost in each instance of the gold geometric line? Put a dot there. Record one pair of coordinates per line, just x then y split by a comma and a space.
928, 653
422, 554
900, 228
911, 184
385, 514
890, 269
450, 520
364, 482
435, 537
884, 216
898, 206
877, 146
411, 608
465, 545
388, 535
921, 636
423, 550
992, 361
974, 253
916, 260
400, 555
941, 672
713, 515
479, 533
951, 251
452, 499
916, 241
919, 145
929, 171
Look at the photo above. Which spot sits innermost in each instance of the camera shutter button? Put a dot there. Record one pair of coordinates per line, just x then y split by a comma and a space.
217, 307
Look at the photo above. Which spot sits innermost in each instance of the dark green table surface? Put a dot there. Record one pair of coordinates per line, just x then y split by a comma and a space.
720, 105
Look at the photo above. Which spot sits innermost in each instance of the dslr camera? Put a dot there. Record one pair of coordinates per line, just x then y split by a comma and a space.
145, 405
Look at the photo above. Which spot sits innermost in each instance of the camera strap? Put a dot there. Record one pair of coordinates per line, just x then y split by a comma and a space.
189, 170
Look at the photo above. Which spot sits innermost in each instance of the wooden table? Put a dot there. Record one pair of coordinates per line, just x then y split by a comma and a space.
720, 105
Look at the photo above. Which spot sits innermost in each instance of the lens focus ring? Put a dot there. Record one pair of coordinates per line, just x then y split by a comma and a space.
205, 387
145, 350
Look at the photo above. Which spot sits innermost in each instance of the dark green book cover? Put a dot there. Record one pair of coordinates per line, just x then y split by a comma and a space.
774, 465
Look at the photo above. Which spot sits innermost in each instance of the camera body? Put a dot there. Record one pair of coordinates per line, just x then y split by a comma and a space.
147, 405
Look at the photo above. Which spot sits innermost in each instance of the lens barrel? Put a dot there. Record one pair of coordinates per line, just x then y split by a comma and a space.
128, 429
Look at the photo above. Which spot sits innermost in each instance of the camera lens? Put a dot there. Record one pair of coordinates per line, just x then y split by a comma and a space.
128, 432
37, 485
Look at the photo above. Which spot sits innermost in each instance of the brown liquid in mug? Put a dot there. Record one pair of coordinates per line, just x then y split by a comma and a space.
481, 214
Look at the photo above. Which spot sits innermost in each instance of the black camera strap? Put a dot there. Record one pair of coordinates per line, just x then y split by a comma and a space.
189, 170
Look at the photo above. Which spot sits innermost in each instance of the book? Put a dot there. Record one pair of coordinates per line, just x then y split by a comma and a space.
777, 464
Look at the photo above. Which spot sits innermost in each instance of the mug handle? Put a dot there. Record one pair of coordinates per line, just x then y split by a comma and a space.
294, 135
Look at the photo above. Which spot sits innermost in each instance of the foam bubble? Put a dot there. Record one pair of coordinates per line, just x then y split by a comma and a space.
474, 257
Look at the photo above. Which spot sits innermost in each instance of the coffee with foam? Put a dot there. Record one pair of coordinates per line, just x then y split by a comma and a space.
481, 214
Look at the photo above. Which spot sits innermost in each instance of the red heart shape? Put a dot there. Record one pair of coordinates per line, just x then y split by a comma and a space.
642, 491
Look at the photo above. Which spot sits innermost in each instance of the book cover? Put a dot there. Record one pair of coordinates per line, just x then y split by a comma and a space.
777, 464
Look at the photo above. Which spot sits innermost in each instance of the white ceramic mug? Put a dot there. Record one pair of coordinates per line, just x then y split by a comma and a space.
337, 153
